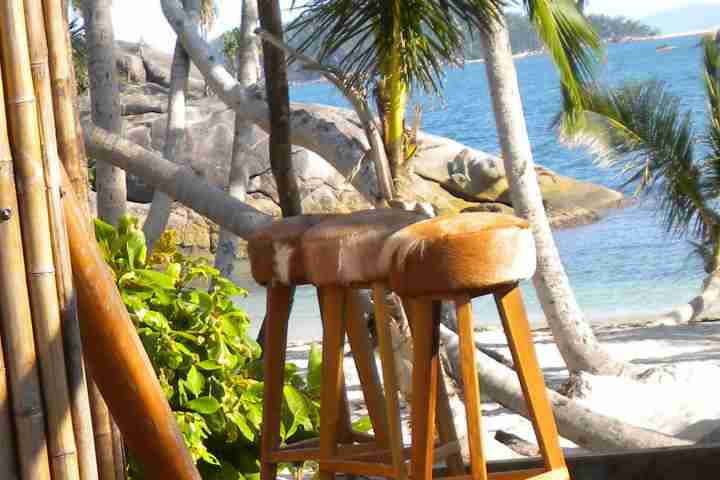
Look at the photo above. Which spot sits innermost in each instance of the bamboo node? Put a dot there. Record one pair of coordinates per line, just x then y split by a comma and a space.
21, 100
5, 214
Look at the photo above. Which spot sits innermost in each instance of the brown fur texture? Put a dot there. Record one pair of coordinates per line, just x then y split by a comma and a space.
459, 253
274, 250
345, 250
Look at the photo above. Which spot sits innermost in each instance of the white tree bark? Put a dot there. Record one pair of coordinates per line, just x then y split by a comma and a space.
575, 339
694, 309
179, 182
334, 138
104, 96
157, 219
248, 63
576, 423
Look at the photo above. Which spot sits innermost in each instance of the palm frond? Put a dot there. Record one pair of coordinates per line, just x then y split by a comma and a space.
573, 45
640, 128
359, 35
711, 77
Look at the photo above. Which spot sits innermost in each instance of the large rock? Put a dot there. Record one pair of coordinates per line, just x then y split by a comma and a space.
445, 175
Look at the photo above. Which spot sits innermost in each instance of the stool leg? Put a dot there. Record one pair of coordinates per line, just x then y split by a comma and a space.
333, 300
346, 432
390, 381
424, 386
473, 409
517, 329
279, 300
362, 350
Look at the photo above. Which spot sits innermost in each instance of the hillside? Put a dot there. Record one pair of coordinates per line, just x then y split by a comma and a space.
703, 16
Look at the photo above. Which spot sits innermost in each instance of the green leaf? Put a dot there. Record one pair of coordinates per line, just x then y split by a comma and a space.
154, 319
204, 405
243, 426
297, 406
136, 249
363, 424
314, 375
154, 279
209, 365
195, 381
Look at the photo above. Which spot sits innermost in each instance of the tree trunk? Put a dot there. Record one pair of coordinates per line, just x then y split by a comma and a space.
276, 87
247, 72
694, 309
335, 138
575, 339
104, 95
180, 183
157, 219
576, 423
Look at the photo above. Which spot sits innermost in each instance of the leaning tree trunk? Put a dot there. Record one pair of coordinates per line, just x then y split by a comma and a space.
104, 96
276, 87
247, 72
699, 305
576, 423
574, 337
157, 219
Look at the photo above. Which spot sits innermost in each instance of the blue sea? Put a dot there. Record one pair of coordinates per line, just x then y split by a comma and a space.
624, 266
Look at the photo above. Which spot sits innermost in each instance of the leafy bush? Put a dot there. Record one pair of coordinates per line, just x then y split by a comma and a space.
207, 365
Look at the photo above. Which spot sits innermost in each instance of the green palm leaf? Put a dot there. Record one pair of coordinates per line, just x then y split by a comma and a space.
362, 34
711, 73
573, 45
641, 129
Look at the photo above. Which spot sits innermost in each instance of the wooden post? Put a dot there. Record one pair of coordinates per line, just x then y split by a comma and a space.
30, 176
16, 324
117, 360
72, 344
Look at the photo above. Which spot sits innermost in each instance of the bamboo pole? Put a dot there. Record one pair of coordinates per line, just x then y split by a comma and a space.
116, 358
39, 56
118, 451
103, 434
69, 134
16, 325
8, 463
30, 177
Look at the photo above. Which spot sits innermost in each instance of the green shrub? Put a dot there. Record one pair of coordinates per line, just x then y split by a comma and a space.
197, 340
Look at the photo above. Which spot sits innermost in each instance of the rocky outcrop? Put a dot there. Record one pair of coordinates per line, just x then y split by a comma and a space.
445, 175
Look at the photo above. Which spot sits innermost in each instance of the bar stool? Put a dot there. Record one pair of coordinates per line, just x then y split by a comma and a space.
457, 258
276, 263
341, 256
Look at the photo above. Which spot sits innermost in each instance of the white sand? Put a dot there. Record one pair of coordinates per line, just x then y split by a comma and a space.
679, 398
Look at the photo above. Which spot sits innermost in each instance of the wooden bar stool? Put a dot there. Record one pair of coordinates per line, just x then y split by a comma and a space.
276, 263
341, 256
457, 258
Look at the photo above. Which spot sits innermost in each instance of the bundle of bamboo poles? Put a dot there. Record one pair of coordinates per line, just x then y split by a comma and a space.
59, 306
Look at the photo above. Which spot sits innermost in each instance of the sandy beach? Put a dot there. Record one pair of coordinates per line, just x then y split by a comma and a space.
678, 397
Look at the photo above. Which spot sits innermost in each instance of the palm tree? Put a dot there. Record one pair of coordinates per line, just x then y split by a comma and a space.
642, 129
396, 48
391, 47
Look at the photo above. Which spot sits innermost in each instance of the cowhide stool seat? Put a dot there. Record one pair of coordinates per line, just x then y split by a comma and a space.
341, 256
456, 258
277, 263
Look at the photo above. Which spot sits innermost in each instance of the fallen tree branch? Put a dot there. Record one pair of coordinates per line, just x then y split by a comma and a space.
178, 182
517, 444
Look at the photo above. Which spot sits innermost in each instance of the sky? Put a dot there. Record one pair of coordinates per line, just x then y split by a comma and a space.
143, 19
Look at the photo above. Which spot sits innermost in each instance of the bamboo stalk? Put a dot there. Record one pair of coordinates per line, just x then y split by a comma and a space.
69, 134
16, 325
25, 129
39, 56
116, 358
118, 451
103, 434
8, 463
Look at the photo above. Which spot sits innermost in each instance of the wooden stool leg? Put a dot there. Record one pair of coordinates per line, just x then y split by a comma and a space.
346, 432
363, 354
473, 409
424, 386
390, 381
279, 300
333, 300
517, 329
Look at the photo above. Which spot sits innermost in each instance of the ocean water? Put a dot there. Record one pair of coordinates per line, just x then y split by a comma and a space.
623, 266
